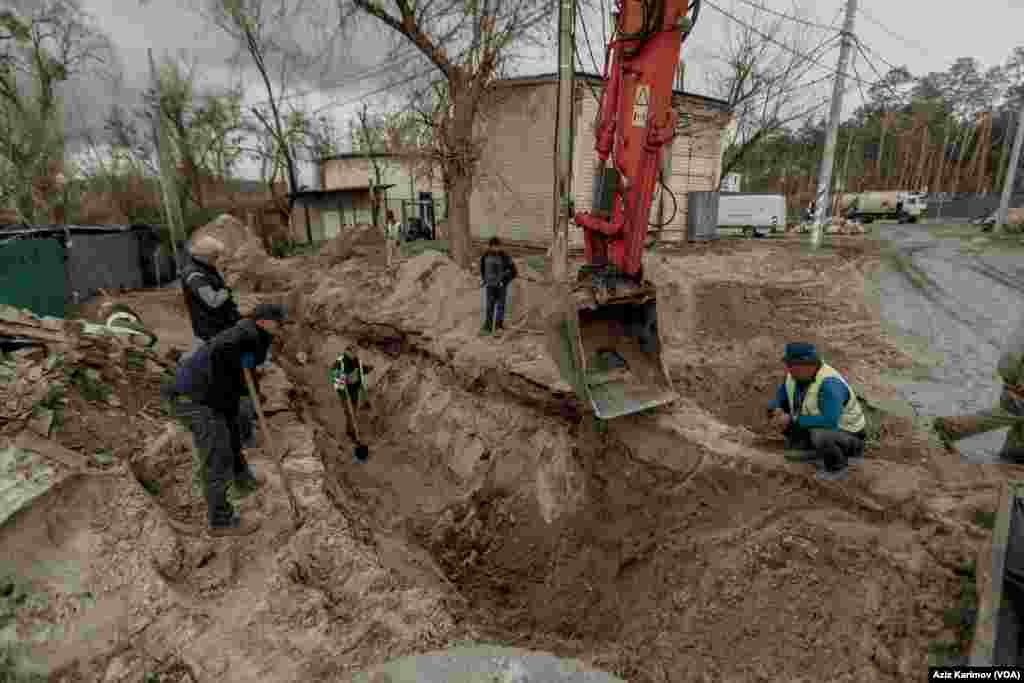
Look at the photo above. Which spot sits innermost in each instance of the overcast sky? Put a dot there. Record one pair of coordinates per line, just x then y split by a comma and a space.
916, 33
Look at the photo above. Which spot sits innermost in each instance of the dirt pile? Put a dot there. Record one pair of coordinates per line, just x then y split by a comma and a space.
363, 240
664, 547
34, 381
226, 229
111, 590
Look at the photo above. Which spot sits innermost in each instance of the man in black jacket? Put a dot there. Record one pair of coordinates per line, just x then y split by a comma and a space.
212, 309
210, 303
497, 270
205, 397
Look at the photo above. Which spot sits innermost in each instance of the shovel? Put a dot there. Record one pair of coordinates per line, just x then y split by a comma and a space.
361, 452
292, 502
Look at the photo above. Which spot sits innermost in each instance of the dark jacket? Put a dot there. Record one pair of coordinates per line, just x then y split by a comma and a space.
213, 374
497, 268
207, 320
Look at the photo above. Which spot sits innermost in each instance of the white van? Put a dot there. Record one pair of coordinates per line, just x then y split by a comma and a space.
755, 212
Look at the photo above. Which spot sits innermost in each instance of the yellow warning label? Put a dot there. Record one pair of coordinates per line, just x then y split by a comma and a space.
640, 105
643, 96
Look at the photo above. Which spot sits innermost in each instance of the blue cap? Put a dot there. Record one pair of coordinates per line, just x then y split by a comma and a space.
800, 352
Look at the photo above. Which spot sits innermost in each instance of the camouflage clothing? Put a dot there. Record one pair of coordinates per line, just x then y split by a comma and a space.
1009, 412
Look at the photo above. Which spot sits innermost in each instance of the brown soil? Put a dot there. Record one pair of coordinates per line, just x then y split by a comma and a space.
668, 547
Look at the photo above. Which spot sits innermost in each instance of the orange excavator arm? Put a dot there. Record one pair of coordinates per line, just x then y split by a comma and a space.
636, 122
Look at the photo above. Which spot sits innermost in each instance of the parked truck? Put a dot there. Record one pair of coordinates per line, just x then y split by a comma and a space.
756, 213
905, 207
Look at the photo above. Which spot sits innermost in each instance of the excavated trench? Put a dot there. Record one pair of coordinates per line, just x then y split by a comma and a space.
631, 547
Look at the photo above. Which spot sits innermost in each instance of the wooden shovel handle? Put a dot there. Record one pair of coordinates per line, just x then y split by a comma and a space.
292, 502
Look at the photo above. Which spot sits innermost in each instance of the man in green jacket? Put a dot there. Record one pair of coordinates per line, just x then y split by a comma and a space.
1008, 412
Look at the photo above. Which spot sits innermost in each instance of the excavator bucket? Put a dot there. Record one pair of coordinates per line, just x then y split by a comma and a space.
611, 354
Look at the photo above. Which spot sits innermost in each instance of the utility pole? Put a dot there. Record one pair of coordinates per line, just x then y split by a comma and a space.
559, 252
1011, 173
822, 203
172, 200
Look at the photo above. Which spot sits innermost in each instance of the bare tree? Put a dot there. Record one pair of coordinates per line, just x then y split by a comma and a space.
469, 45
276, 37
762, 70
40, 50
368, 140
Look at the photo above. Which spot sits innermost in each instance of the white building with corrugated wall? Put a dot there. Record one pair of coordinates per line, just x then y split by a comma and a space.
514, 194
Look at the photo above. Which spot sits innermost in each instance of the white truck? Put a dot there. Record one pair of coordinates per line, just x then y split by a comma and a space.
758, 213
905, 207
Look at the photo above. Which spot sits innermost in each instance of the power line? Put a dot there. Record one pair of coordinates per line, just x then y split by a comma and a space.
360, 98
397, 61
920, 48
862, 46
790, 17
770, 39
853, 65
590, 49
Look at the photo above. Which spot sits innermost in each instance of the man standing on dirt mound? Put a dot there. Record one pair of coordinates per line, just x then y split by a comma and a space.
497, 270
205, 397
212, 309
819, 413
1009, 412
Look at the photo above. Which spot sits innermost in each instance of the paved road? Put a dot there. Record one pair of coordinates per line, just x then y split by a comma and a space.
965, 306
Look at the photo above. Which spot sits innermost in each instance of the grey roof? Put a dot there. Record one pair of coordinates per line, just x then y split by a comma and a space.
360, 155
337, 191
23, 229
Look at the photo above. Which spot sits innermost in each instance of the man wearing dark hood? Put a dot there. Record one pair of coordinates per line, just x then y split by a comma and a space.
205, 396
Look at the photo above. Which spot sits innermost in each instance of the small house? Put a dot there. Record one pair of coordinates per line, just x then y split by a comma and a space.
514, 194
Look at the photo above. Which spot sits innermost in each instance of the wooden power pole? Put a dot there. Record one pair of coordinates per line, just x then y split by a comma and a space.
559, 252
168, 186
822, 203
1011, 174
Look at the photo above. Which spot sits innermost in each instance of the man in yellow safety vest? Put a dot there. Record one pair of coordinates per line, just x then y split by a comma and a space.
819, 413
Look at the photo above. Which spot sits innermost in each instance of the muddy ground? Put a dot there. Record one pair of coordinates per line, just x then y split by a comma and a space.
671, 546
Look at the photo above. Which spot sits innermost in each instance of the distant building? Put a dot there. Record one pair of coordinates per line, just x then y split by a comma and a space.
514, 196
348, 184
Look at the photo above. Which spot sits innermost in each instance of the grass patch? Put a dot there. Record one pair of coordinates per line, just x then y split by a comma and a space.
12, 670
152, 486
985, 519
290, 248
411, 249
89, 385
962, 617
538, 263
54, 399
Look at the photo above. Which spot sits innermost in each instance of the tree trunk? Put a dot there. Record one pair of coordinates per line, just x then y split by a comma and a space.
459, 190
919, 180
881, 152
941, 166
964, 142
459, 174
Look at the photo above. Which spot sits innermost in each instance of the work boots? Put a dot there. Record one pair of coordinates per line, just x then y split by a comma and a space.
235, 527
485, 330
244, 484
